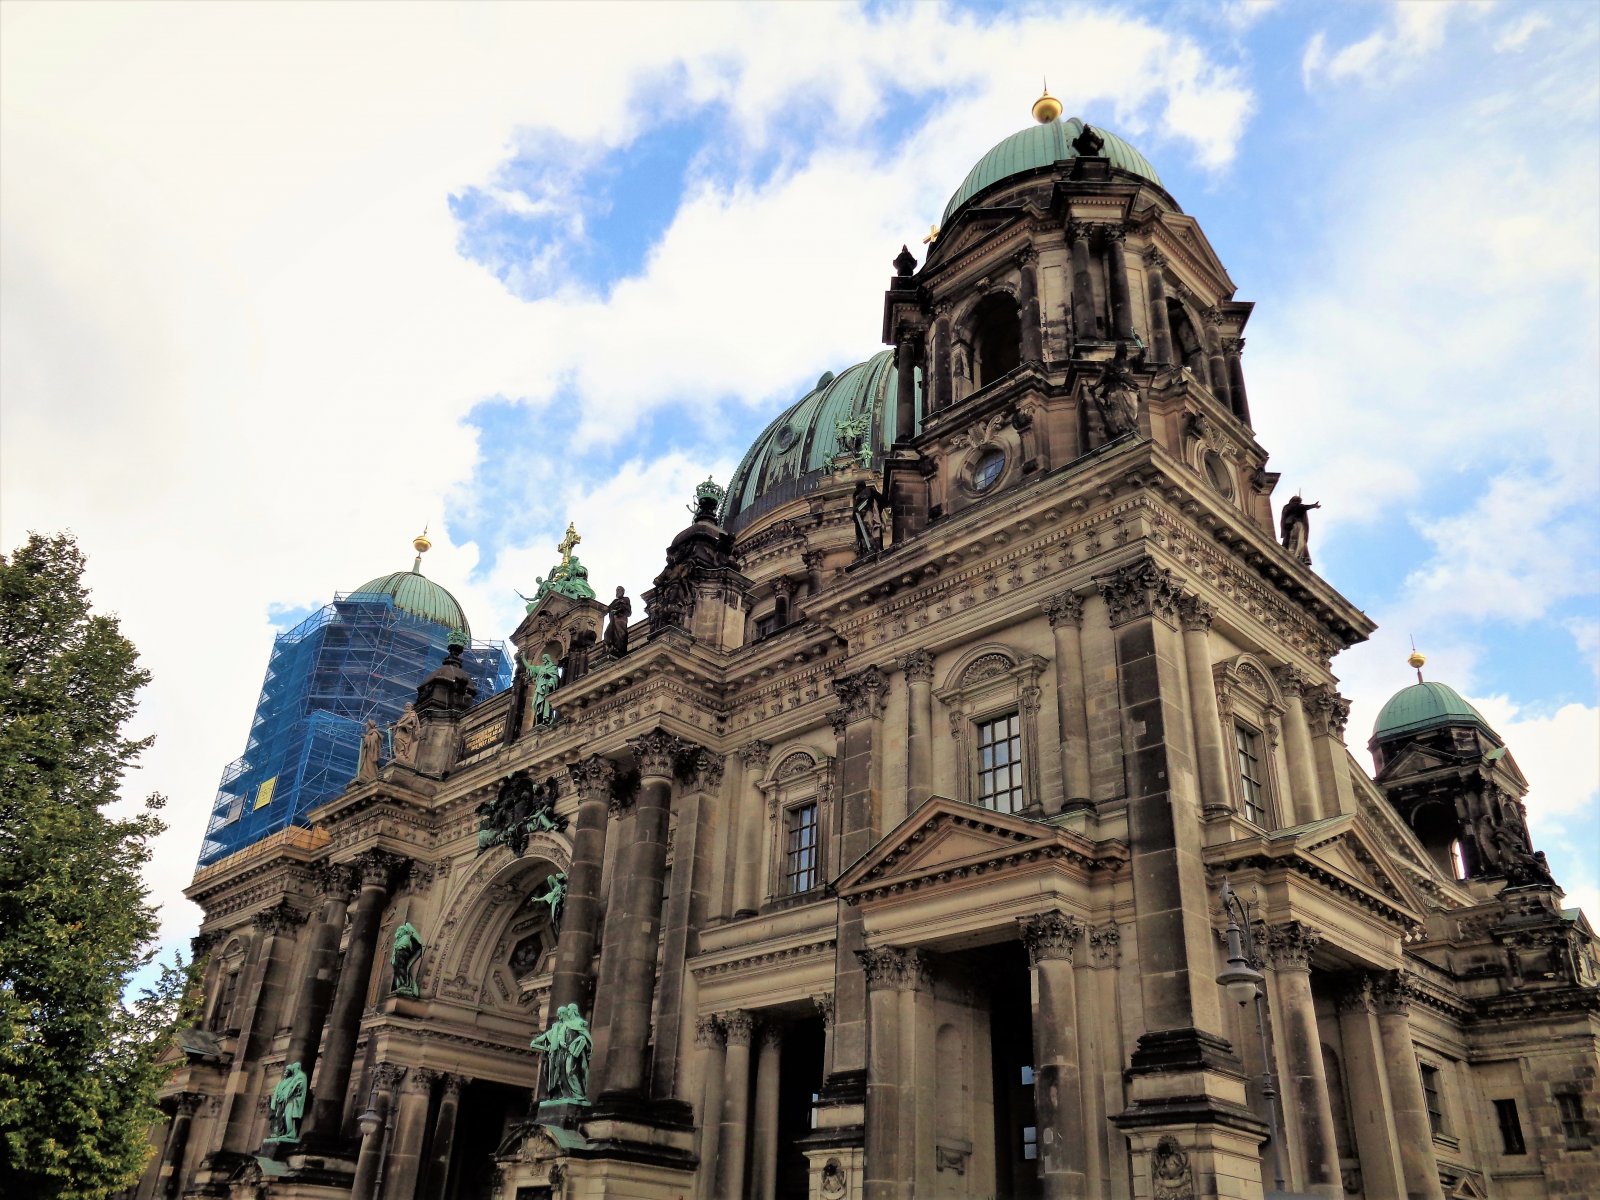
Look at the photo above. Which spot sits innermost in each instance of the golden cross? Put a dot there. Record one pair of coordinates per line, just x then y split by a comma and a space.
568, 542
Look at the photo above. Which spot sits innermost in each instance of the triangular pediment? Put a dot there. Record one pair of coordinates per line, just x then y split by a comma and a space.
1415, 760
945, 836
1186, 231
971, 228
1356, 853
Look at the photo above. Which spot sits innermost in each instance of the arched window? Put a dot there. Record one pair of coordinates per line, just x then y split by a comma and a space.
1436, 828
996, 338
800, 820
1185, 341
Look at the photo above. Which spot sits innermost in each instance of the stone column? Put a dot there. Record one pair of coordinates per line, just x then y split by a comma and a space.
711, 1046
263, 1003
1028, 304
905, 397
1232, 348
404, 1166
1393, 991
1289, 947
737, 1027
764, 1139
622, 820
890, 1118
1219, 366
918, 668
1297, 745
685, 915
322, 967
1085, 328
749, 818
375, 868
444, 1138
374, 1145
581, 917
1072, 714
1210, 751
1117, 272
940, 371
1058, 1082
184, 1105
1155, 264
1366, 1080
637, 935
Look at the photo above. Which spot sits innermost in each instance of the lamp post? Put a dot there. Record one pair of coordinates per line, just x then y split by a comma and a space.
1243, 983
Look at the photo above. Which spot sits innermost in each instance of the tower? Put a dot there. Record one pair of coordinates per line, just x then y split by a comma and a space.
358, 658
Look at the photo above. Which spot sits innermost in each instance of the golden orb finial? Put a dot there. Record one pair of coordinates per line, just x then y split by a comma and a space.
420, 543
1416, 658
1046, 108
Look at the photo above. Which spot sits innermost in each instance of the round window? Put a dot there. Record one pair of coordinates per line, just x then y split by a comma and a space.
986, 471
1218, 473
786, 438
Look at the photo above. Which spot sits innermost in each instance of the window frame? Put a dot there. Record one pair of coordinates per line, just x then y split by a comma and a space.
989, 682
1512, 1140
1576, 1131
789, 850
1257, 808
1016, 772
799, 776
1432, 1078
1247, 696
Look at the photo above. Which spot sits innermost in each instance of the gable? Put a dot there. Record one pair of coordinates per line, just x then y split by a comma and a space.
1414, 760
972, 227
1356, 854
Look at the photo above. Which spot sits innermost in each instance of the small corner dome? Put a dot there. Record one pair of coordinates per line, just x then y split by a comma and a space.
1426, 706
418, 595
1038, 148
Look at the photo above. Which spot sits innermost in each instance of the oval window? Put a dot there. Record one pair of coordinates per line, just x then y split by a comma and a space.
1218, 473
786, 438
986, 471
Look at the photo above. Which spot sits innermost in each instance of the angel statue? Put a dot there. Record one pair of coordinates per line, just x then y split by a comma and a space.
568, 1044
287, 1105
404, 956
556, 897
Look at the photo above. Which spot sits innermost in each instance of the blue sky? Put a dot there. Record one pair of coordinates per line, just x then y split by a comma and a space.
283, 283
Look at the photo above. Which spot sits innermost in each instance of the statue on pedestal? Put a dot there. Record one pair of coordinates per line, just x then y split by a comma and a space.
544, 677
617, 614
287, 1105
404, 957
867, 511
1294, 526
403, 737
371, 753
568, 1044
1116, 395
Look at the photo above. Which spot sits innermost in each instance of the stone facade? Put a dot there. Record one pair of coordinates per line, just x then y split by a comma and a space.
892, 866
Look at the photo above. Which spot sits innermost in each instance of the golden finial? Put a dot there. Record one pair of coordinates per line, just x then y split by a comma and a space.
1046, 108
1416, 658
568, 543
933, 235
421, 545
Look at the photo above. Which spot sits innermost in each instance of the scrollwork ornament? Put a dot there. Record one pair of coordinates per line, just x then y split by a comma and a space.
1170, 1175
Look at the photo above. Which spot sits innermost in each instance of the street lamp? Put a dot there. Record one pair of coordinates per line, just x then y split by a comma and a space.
369, 1121
1243, 983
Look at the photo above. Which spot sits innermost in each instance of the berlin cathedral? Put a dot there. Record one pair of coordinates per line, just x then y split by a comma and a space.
969, 812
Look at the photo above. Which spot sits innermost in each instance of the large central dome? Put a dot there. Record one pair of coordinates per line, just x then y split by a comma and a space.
1039, 148
418, 595
792, 453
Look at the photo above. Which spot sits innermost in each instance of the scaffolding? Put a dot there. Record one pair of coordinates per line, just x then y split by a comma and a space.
358, 658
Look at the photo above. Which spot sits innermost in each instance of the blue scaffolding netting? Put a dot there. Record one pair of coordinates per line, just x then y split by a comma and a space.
359, 657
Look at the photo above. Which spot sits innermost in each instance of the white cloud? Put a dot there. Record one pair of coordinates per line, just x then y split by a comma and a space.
1515, 35
1411, 32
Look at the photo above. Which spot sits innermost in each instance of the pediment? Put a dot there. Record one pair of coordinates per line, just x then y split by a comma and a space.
1414, 760
1186, 232
971, 228
945, 836
1357, 854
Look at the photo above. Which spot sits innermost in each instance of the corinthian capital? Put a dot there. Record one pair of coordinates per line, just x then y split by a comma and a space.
1196, 613
893, 968
377, 868
654, 752
1140, 589
756, 754
702, 769
1291, 680
861, 694
1050, 935
592, 777
1290, 943
1066, 608
737, 1027
918, 666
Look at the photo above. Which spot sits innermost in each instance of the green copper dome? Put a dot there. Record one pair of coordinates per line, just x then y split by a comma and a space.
1426, 706
1038, 148
418, 595
790, 456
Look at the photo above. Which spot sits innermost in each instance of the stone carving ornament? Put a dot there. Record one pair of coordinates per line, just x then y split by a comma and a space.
1170, 1176
1050, 935
1140, 589
519, 809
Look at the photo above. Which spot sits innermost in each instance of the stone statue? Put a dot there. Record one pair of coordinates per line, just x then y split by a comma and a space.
519, 808
371, 752
1294, 526
287, 1105
403, 737
617, 614
555, 896
544, 677
1116, 395
697, 552
405, 956
568, 1044
1089, 143
854, 436
866, 507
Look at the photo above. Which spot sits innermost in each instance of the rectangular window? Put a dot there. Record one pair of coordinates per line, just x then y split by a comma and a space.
1510, 1127
1252, 778
1574, 1125
1030, 1142
1000, 764
1430, 1093
800, 865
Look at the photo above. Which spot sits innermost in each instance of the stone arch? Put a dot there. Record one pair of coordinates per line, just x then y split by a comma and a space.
796, 762
1256, 678
980, 663
478, 916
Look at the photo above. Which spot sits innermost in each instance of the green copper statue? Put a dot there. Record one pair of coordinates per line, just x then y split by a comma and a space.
544, 677
568, 1044
405, 956
287, 1105
556, 897
569, 578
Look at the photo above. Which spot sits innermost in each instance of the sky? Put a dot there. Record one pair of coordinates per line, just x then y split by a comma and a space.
280, 284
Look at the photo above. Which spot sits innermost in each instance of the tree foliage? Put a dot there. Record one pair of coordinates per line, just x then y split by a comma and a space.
79, 1068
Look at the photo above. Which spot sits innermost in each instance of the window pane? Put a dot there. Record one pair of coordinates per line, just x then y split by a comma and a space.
800, 849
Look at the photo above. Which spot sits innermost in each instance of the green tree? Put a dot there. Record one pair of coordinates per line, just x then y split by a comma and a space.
79, 1068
